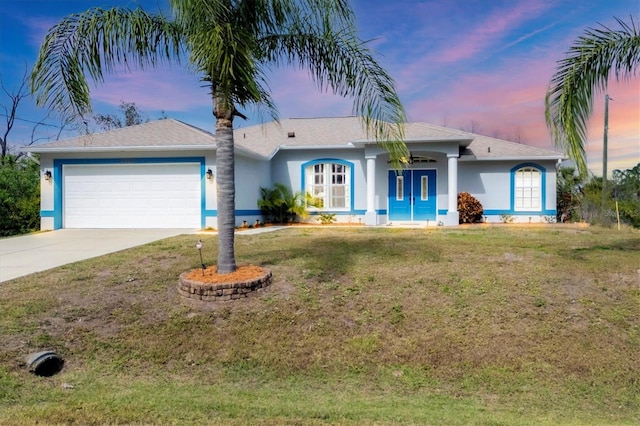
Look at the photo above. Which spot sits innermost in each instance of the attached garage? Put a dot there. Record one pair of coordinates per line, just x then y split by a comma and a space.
160, 195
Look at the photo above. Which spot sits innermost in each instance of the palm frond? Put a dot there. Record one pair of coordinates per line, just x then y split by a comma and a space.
96, 42
339, 61
584, 72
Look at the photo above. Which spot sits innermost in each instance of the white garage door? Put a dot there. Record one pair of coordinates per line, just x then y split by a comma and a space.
164, 195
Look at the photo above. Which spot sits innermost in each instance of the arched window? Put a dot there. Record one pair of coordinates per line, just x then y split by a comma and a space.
527, 189
329, 183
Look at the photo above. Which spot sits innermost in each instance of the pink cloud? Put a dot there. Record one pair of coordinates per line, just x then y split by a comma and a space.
487, 32
507, 104
510, 105
297, 96
38, 28
168, 89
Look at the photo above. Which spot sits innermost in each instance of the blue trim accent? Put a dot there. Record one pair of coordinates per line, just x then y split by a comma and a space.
381, 211
136, 160
337, 212
543, 183
57, 178
337, 161
519, 213
57, 194
443, 212
248, 212
203, 195
210, 213
47, 213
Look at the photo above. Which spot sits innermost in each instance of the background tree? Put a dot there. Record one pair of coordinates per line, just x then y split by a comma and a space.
131, 115
580, 199
230, 45
19, 173
583, 72
626, 191
10, 101
19, 195
9, 112
568, 195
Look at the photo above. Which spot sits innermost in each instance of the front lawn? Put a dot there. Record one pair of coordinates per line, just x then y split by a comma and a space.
481, 325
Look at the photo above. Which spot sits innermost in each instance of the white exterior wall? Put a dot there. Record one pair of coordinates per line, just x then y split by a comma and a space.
491, 183
488, 181
251, 175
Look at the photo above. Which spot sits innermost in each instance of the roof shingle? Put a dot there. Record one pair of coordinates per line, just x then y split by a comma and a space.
160, 133
265, 140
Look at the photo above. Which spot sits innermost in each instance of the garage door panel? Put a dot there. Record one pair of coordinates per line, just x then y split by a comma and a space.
132, 196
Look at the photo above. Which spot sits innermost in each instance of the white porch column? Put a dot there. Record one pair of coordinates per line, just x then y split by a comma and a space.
452, 205
370, 217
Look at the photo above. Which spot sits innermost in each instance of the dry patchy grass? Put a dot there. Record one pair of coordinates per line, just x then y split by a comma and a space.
503, 324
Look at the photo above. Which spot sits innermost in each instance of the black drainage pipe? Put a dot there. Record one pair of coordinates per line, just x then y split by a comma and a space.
46, 363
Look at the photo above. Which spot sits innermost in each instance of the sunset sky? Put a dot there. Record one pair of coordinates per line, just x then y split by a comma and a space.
478, 65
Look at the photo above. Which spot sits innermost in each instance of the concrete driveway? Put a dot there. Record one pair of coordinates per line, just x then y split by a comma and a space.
31, 253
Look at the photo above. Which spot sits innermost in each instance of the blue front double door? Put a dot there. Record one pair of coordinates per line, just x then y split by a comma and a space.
412, 195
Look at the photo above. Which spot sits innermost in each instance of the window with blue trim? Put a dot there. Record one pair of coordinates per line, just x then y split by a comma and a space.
329, 184
528, 189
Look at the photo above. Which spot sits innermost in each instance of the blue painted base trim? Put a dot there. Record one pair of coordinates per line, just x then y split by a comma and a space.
520, 213
47, 213
511, 212
338, 212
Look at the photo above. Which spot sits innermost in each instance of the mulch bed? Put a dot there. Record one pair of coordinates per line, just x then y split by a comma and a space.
211, 276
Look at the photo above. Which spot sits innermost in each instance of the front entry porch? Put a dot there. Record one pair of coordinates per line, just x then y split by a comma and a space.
412, 195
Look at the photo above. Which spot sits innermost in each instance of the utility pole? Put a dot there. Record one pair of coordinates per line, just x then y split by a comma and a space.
604, 153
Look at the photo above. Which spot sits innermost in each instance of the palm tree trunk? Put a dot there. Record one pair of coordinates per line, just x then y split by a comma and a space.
225, 181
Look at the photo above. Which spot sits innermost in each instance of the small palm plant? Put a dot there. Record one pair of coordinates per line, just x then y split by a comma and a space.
281, 204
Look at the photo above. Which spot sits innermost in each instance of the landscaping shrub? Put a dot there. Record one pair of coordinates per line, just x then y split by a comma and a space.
470, 208
281, 205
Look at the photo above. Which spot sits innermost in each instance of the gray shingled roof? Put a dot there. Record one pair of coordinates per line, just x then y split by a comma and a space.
265, 140
488, 148
161, 133
333, 132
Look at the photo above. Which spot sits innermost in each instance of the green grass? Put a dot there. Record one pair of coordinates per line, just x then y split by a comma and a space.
484, 325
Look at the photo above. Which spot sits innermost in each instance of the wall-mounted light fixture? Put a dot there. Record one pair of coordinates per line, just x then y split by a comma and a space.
209, 174
47, 175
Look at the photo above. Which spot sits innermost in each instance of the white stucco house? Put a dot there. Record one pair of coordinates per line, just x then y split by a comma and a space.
162, 174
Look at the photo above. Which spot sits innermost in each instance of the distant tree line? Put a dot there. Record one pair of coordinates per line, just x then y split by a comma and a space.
580, 199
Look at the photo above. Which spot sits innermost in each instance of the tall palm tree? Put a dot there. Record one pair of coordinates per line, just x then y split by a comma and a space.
230, 44
585, 70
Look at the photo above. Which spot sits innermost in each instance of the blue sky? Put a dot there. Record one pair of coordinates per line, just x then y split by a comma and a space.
481, 65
